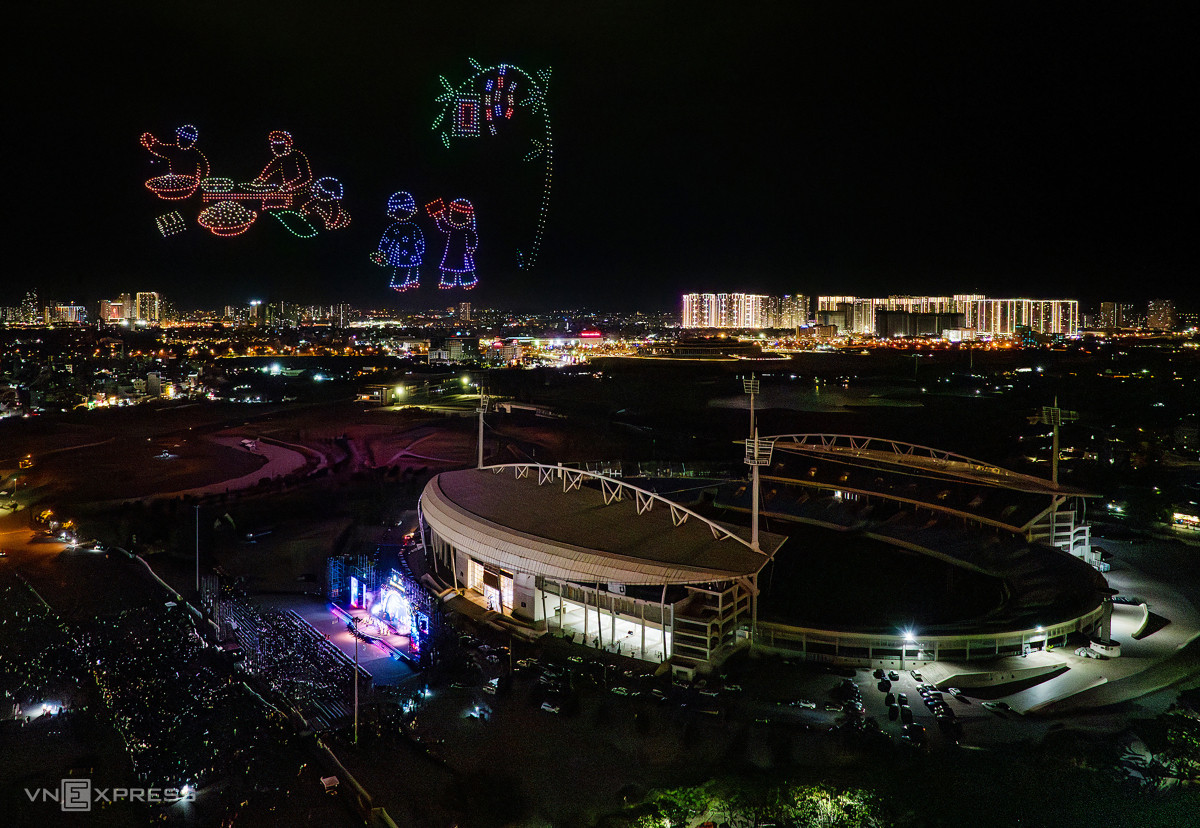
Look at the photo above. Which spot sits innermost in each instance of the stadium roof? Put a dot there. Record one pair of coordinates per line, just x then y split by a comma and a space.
546, 524
934, 462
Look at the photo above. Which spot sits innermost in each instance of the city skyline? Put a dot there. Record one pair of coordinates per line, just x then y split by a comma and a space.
618, 414
840, 150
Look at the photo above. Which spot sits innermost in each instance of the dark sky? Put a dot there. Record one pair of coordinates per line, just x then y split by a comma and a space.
1009, 149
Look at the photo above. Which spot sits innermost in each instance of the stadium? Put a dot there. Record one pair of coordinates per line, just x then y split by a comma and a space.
895, 554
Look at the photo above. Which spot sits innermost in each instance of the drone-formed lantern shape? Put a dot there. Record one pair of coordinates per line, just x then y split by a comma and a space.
483, 103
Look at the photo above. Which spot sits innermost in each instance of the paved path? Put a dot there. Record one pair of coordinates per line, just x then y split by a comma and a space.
1155, 662
280, 461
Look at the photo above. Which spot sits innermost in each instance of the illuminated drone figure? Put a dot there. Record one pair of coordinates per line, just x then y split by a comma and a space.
491, 97
402, 244
186, 165
288, 171
458, 226
326, 203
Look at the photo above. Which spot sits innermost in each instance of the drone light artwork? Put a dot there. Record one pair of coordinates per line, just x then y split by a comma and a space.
457, 224
480, 106
186, 164
170, 223
285, 189
402, 245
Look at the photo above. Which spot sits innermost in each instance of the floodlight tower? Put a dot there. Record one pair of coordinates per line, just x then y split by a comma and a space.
1054, 416
483, 404
758, 454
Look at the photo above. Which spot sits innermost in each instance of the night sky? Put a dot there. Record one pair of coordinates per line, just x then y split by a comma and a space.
1006, 148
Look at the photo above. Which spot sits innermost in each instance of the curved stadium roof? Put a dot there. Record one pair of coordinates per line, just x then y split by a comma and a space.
572, 534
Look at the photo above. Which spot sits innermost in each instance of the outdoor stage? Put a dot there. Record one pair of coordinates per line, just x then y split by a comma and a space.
376, 658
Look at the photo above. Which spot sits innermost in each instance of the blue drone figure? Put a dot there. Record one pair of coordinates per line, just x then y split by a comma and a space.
402, 244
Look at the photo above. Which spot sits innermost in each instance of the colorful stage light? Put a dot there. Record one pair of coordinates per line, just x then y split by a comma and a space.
491, 91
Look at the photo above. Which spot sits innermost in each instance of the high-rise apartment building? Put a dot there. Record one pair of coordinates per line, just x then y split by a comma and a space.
830, 303
793, 311
112, 311
149, 308
860, 316
63, 312
1160, 314
29, 307
1117, 315
726, 310
1002, 317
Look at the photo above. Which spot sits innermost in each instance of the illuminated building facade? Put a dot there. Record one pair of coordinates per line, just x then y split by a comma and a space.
830, 303
1002, 317
1160, 314
112, 311
63, 312
1115, 315
149, 307
860, 316
793, 310
729, 310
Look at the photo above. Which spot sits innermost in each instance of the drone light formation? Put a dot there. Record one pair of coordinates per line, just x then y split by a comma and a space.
457, 224
489, 97
170, 224
402, 245
285, 189
186, 164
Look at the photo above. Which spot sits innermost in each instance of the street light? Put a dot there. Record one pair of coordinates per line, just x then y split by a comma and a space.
355, 619
909, 638
197, 548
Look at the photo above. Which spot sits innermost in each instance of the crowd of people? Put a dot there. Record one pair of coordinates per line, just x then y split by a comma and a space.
39, 661
186, 717
293, 660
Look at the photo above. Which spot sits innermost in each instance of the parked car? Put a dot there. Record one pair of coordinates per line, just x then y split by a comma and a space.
916, 676
549, 708
893, 675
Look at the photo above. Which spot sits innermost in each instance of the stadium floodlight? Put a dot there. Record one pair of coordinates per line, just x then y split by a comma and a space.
1054, 417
